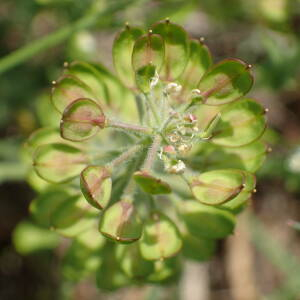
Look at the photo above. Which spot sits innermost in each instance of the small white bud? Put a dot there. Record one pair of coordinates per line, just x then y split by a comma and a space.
173, 88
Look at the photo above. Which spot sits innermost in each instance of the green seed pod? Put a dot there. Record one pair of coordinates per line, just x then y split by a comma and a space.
161, 238
120, 222
95, 183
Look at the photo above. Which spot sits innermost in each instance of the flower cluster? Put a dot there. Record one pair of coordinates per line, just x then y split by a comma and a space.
158, 160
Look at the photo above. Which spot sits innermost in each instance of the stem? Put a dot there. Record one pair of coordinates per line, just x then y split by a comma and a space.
153, 109
130, 127
152, 153
34, 47
124, 156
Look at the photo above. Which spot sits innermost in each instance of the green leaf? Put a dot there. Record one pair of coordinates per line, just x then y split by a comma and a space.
239, 202
58, 162
122, 54
81, 120
71, 211
217, 186
67, 89
249, 157
132, 263
96, 183
241, 123
120, 222
176, 48
143, 77
29, 238
148, 49
150, 184
225, 82
196, 248
206, 221
161, 238
43, 207
199, 62
88, 74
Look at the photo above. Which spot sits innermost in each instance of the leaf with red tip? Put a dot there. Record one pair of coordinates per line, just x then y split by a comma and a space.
81, 120
176, 48
150, 184
67, 89
225, 82
95, 183
121, 223
58, 162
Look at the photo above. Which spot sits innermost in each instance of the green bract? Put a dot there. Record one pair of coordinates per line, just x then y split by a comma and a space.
173, 128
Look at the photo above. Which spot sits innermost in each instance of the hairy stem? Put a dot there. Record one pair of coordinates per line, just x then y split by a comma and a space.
153, 109
33, 48
129, 127
151, 155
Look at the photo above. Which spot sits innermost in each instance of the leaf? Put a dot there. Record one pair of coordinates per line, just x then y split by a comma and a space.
225, 82
77, 228
81, 120
150, 184
43, 207
217, 186
249, 157
58, 162
161, 238
71, 211
67, 89
121, 223
132, 263
241, 123
143, 77
122, 54
206, 221
29, 238
88, 74
176, 48
238, 203
96, 183
148, 49
199, 62
196, 248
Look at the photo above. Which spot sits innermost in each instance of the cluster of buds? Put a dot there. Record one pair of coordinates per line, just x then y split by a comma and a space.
171, 125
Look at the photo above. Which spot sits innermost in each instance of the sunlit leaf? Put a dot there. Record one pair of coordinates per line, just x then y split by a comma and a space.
132, 263
67, 89
150, 184
95, 183
81, 120
199, 62
241, 123
161, 238
122, 53
206, 221
176, 48
58, 162
120, 222
217, 186
225, 82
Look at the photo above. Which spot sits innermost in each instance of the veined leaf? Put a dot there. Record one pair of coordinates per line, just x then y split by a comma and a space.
161, 238
81, 120
67, 89
58, 162
122, 54
241, 123
95, 183
121, 223
217, 186
176, 48
225, 82
206, 221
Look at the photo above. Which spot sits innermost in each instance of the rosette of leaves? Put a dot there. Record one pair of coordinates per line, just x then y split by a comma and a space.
159, 158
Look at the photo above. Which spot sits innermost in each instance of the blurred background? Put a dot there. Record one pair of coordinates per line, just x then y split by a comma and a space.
262, 259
